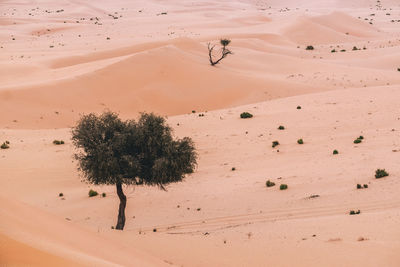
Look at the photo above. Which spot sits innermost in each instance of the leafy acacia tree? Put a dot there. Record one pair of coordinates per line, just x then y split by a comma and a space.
116, 152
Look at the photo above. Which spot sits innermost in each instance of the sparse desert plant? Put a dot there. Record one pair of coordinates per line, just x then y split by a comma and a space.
398, 69
379, 173
92, 193
335, 152
224, 51
143, 152
275, 143
103, 194
283, 187
353, 212
359, 186
233, 169
365, 186
357, 141
269, 183
246, 115
333, 51
355, 48
60, 194
5, 146
343, 50
300, 141
310, 47
281, 127
58, 142
298, 107
360, 137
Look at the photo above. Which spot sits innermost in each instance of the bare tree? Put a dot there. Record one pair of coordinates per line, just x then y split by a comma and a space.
224, 52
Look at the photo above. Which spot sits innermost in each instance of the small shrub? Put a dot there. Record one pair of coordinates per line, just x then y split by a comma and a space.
92, 193
233, 169
283, 187
61, 195
300, 141
58, 142
193, 111
357, 141
353, 212
155, 230
103, 194
335, 152
365, 186
379, 173
333, 51
359, 186
310, 47
343, 50
275, 143
246, 115
4, 146
269, 183
361, 137
298, 107
7, 142
281, 127
355, 48
398, 69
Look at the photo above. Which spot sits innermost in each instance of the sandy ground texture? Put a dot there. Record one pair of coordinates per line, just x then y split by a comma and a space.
60, 59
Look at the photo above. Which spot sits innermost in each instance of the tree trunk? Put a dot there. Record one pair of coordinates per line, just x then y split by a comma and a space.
122, 205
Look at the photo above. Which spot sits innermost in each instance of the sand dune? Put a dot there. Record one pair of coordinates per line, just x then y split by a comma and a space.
59, 59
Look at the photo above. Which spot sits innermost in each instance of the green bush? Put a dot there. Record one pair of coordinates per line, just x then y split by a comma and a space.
103, 194
352, 212
283, 187
298, 107
246, 115
4, 146
359, 186
300, 141
269, 183
357, 141
379, 173
281, 127
335, 152
343, 50
360, 137
92, 193
398, 69
355, 48
365, 186
233, 169
310, 47
58, 142
61, 195
333, 51
275, 143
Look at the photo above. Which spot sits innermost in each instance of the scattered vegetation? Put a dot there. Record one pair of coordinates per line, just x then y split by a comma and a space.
283, 187
335, 152
298, 107
310, 47
281, 127
233, 169
143, 152
269, 183
300, 141
357, 141
224, 52
103, 194
275, 143
333, 51
353, 212
92, 193
246, 115
5, 145
60, 194
58, 142
379, 173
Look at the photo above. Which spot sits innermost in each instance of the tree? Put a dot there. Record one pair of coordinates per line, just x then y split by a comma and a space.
224, 52
116, 152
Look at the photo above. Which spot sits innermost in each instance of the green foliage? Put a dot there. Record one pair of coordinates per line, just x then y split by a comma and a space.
103, 194
298, 107
113, 151
60, 194
353, 212
58, 142
355, 48
398, 69
233, 169
92, 193
225, 42
300, 141
275, 143
365, 186
335, 152
269, 183
379, 173
283, 187
343, 50
246, 115
281, 127
359, 186
333, 51
310, 47
360, 137
357, 141
5, 145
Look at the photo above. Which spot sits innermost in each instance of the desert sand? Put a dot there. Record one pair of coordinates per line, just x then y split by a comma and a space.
61, 59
